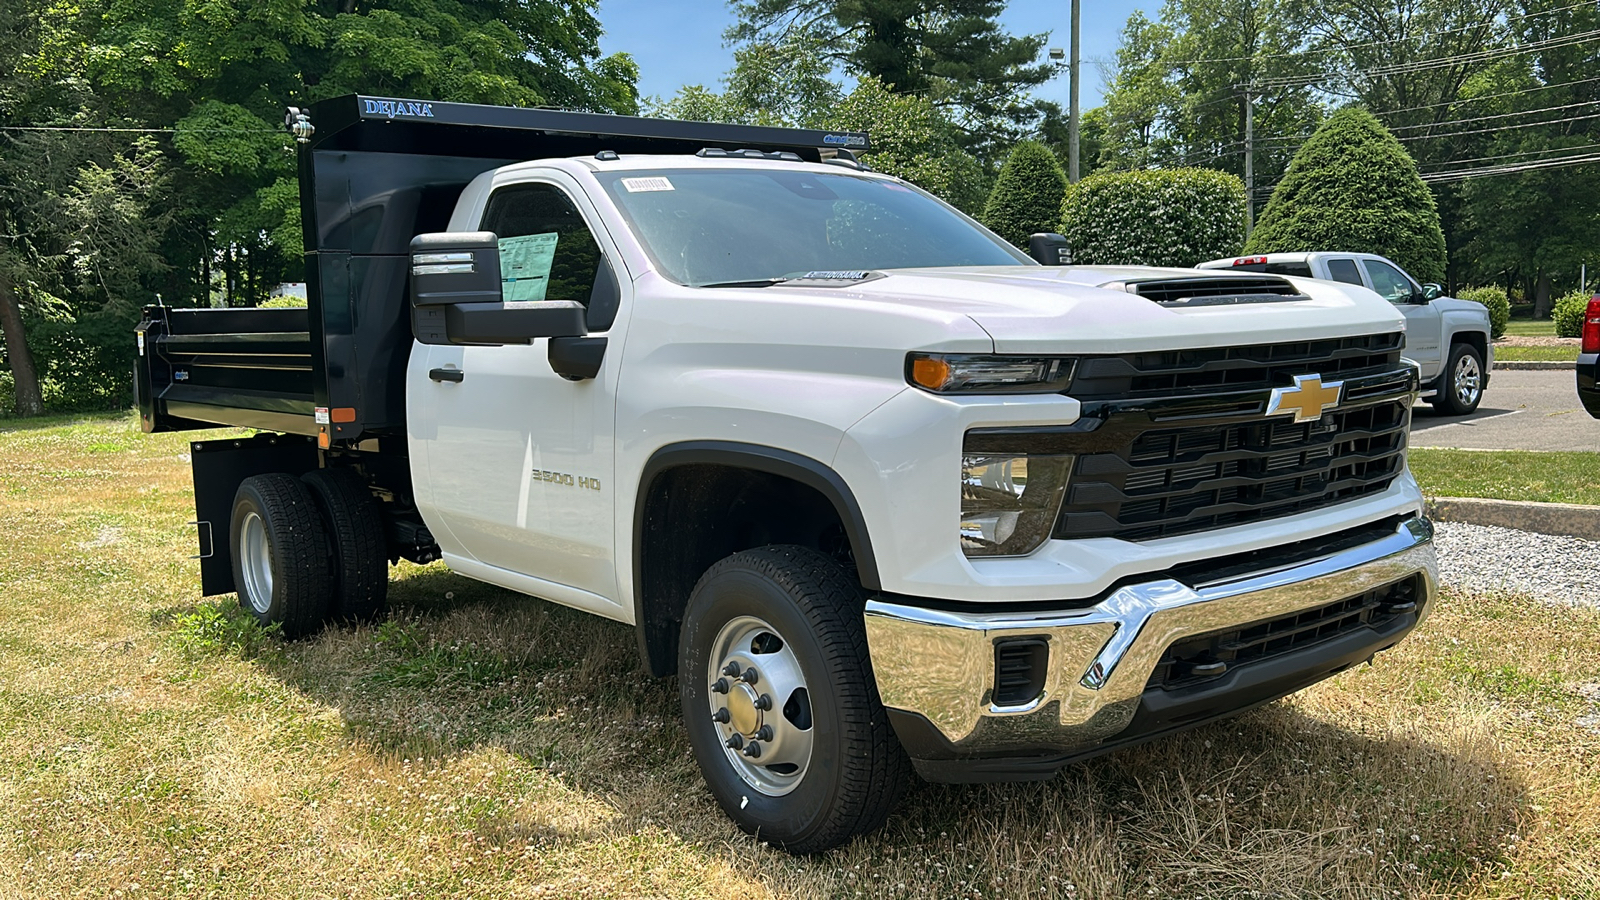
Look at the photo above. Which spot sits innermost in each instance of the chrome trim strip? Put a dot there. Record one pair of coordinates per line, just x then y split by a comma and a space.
940, 664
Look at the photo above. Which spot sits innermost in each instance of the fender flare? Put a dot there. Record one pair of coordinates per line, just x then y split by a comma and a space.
771, 460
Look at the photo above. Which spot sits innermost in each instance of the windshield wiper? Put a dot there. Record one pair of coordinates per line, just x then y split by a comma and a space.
758, 282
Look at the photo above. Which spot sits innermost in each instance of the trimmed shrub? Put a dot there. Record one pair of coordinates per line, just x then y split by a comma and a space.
1352, 188
284, 302
1170, 217
1568, 313
1027, 194
1495, 300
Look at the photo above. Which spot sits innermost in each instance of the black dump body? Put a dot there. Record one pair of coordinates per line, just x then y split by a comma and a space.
374, 173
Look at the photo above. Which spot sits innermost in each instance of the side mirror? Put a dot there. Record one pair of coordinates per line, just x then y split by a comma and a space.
456, 296
1050, 249
1431, 291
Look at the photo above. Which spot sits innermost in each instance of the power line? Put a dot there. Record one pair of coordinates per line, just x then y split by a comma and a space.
1515, 127
1358, 46
1424, 65
1547, 150
1484, 171
1543, 87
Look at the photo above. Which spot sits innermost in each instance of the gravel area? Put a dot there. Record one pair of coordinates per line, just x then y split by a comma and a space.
1551, 568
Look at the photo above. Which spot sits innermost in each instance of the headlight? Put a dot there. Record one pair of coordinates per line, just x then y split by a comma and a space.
1009, 504
945, 373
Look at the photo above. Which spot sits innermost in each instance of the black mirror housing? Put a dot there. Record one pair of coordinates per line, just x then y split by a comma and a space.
1049, 249
456, 296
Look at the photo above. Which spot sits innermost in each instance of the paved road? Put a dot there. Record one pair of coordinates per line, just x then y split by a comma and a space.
1521, 410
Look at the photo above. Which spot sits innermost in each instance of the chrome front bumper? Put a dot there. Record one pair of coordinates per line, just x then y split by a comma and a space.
940, 665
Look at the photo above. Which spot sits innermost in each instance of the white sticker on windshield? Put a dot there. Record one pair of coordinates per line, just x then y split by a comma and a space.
640, 185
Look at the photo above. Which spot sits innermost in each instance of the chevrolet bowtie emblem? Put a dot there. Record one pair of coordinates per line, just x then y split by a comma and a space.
1308, 399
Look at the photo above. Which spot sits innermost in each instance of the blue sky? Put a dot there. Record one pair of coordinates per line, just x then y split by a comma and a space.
678, 42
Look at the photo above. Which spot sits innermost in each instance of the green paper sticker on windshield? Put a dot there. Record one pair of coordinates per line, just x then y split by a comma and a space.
525, 266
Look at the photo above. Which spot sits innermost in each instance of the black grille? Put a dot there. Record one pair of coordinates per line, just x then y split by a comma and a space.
1179, 289
1199, 659
1194, 477
1019, 669
1179, 372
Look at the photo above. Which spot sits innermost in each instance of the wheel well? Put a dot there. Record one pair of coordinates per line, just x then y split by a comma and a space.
693, 515
1477, 339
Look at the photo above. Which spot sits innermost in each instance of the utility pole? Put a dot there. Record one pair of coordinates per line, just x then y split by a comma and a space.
1249, 165
1072, 112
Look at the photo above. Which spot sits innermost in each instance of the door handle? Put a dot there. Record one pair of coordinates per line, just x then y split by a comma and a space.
453, 376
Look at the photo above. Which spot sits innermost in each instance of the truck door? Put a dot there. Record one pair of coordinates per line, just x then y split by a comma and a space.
1423, 322
521, 461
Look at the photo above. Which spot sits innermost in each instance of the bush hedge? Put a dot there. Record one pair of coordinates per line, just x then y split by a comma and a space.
1172, 217
1569, 310
1351, 187
1499, 305
1027, 194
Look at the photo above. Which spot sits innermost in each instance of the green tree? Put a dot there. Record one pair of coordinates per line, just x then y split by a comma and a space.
1026, 197
953, 52
912, 137
1353, 187
1171, 217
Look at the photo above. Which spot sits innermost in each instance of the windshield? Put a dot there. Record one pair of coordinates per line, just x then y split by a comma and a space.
716, 226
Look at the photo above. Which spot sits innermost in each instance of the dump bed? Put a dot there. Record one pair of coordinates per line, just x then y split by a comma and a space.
374, 173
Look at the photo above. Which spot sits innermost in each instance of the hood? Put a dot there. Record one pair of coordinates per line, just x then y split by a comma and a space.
1054, 309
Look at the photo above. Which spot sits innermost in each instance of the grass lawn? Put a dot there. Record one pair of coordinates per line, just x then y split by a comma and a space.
1532, 327
478, 743
1556, 477
1541, 354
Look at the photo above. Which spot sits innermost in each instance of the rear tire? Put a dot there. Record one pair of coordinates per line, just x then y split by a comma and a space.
1460, 387
829, 766
280, 554
360, 561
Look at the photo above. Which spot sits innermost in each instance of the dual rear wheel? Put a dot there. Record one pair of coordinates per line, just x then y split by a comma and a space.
306, 550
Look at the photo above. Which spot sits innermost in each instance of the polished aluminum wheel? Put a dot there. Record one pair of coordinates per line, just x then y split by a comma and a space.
1467, 381
760, 705
255, 562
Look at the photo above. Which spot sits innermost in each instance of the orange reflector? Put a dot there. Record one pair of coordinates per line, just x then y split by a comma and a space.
930, 373
323, 440
342, 414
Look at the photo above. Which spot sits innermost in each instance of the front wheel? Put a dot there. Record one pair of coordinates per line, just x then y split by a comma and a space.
779, 700
1461, 388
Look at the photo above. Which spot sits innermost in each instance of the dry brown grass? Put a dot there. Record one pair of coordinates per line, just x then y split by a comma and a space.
481, 744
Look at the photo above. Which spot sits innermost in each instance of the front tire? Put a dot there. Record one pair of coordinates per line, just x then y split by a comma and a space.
280, 553
1461, 385
773, 654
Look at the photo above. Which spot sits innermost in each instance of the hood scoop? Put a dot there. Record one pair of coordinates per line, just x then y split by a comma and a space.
1215, 291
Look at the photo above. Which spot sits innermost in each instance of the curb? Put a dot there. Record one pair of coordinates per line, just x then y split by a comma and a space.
1569, 519
1533, 364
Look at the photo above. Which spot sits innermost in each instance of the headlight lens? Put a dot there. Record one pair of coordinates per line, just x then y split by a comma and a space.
945, 373
1009, 504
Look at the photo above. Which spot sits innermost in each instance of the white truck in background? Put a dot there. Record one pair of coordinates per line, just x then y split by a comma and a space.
882, 492
1449, 338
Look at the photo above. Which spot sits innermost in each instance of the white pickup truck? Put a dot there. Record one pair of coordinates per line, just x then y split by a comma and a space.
883, 493
1449, 338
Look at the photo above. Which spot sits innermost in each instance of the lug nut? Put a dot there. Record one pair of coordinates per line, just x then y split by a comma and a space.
764, 702
765, 733
751, 676
731, 669
720, 686
720, 716
753, 750
736, 741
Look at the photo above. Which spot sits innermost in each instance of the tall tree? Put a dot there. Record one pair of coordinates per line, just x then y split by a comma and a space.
952, 51
1353, 187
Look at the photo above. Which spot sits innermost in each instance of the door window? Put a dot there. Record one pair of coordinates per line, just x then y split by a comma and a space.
546, 250
1344, 270
1390, 283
